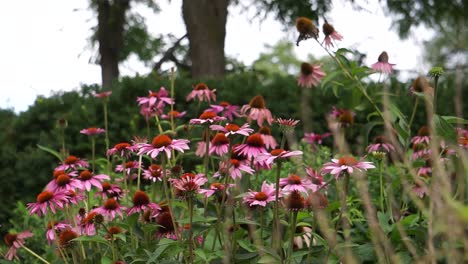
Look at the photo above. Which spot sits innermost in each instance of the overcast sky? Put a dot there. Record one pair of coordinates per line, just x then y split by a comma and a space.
44, 45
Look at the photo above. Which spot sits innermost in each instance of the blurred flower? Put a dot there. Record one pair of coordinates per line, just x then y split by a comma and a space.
345, 164
66, 237
155, 99
256, 110
87, 224
295, 183
420, 85
382, 64
46, 199
54, 227
219, 144
233, 129
15, 241
141, 203
252, 147
261, 198
128, 167
310, 75
110, 191
380, 144
110, 209
174, 113
88, 179
163, 143
286, 125
330, 33
313, 138
72, 162
276, 155
316, 200
92, 131
344, 116
234, 168
122, 149
268, 139
423, 137
306, 29
201, 148
228, 110
188, 185
103, 94
63, 182
420, 189
74, 197
315, 178
295, 201
206, 117
202, 92
153, 173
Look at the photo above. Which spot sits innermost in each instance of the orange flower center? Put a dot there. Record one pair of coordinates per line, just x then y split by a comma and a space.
217, 186
10, 239
164, 219
346, 117
62, 180
45, 196
257, 102
201, 86
129, 164
71, 160
86, 175
154, 94
140, 198
161, 141
111, 204
58, 173
235, 163
92, 130
188, 176
424, 131
224, 104
261, 196
173, 113
114, 230
106, 186
276, 152
89, 219
295, 201
294, 179
220, 139
347, 161
122, 146
380, 140
208, 115
255, 140
66, 236
232, 127
264, 130
304, 25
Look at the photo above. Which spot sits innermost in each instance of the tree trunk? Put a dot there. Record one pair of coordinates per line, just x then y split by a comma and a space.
205, 21
111, 22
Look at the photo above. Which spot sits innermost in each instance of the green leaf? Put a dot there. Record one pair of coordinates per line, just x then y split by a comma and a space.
247, 246
268, 259
384, 222
97, 239
444, 129
51, 151
201, 253
454, 120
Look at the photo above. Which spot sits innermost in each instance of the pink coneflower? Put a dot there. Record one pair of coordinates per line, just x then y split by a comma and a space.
128, 167
295, 201
234, 168
420, 189
310, 75
382, 64
316, 200
15, 241
380, 144
419, 151
252, 147
206, 118
55, 227
153, 173
102, 94
296, 183
155, 99
233, 129
261, 198
256, 110
268, 139
188, 185
122, 149
276, 155
215, 188
345, 164
72, 162
65, 239
228, 110
202, 92
92, 131
88, 179
175, 114
46, 199
421, 85
287, 124
423, 137
87, 223
63, 182
141, 203
201, 148
148, 112
110, 209
315, 178
163, 143
110, 191
313, 138
219, 144
74, 197
330, 33
344, 116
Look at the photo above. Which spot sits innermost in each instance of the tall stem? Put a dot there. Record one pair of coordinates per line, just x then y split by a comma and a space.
413, 114
436, 81
276, 237
166, 193
190, 240
35, 255
382, 191
139, 171
291, 235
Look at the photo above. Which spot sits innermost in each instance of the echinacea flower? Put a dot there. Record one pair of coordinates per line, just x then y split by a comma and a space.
261, 198
423, 137
87, 223
163, 143
310, 75
219, 144
166, 224
306, 29
15, 241
287, 125
382, 64
63, 182
316, 179
110, 191
233, 129
127, 167
276, 155
122, 149
66, 237
380, 144
173, 114
252, 147
421, 85
268, 139
295, 201
88, 179
153, 173
46, 199
313, 138
296, 183
207, 117
228, 110
344, 116
345, 164
419, 151
73, 163
92, 131
188, 185
201, 148
155, 99
215, 188
256, 110
110, 209
141, 203
54, 227
234, 168
330, 33
74, 197
316, 200
202, 93
102, 94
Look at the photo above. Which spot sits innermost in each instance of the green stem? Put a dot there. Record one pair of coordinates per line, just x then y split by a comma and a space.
166, 193
382, 195
35, 255
158, 124
436, 81
139, 172
291, 234
190, 206
276, 228
124, 174
413, 114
